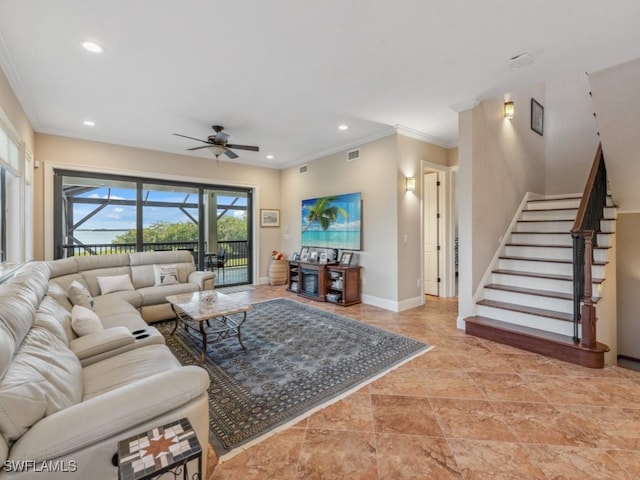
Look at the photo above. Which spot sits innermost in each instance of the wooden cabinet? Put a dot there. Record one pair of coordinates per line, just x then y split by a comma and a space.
343, 284
331, 283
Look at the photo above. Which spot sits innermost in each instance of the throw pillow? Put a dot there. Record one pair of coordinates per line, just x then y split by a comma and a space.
114, 283
79, 295
85, 321
166, 274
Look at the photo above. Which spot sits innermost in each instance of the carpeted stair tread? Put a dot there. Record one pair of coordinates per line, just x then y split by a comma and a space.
550, 260
550, 245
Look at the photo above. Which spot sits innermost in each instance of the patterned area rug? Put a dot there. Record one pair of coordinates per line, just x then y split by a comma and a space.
298, 359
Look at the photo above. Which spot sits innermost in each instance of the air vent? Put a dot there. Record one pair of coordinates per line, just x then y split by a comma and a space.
303, 169
353, 155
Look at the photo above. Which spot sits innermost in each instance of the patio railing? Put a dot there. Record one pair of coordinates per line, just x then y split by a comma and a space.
236, 251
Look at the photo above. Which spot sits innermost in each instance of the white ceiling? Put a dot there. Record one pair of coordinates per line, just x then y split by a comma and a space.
283, 74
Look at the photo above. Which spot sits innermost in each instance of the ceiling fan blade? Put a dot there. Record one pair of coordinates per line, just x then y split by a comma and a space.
191, 138
199, 148
230, 154
244, 147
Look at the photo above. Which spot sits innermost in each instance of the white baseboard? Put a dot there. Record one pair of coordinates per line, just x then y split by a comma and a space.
392, 304
263, 281
460, 323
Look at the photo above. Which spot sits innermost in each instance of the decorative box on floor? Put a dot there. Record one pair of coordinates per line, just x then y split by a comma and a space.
168, 448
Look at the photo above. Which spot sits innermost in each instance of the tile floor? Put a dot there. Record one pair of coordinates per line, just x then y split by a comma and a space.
468, 409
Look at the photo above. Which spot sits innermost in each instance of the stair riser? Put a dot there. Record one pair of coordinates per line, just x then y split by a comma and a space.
545, 267
569, 214
564, 226
558, 253
561, 286
606, 226
551, 215
534, 321
535, 301
604, 240
542, 238
559, 203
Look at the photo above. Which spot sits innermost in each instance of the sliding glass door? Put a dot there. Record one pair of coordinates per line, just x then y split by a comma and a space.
106, 214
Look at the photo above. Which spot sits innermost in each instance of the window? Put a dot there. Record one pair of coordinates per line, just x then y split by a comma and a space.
101, 214
15, 199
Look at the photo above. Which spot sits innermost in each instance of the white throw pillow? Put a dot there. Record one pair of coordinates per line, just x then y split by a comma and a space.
166, 274
85, 321
114, 283
79, 295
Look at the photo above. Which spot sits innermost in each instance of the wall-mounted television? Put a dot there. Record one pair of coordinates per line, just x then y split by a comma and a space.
334, 221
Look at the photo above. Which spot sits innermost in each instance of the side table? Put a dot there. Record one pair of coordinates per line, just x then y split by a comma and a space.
168, 448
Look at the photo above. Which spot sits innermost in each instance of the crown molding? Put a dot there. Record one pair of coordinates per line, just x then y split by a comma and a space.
11, 72
348, 146
464, 105
423, 137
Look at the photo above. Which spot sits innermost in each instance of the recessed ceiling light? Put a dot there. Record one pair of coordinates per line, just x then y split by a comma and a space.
343, 127
92, 47
270, 157
89, 123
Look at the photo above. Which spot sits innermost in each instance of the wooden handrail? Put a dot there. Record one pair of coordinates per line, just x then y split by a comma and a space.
588, 189
584, 232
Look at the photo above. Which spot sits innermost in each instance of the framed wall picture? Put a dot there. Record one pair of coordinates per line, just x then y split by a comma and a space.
345, 259
269, 218
537, 117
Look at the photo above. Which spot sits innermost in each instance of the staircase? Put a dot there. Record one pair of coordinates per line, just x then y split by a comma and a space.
527, 301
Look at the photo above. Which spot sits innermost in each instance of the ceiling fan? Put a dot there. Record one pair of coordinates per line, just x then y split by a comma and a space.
218, 143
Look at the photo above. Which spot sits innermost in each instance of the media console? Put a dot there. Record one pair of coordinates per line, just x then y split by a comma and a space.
339, 284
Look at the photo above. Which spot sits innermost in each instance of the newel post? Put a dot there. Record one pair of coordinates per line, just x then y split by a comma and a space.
588, 317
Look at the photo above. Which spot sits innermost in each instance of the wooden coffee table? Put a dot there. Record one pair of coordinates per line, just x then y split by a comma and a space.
208, 313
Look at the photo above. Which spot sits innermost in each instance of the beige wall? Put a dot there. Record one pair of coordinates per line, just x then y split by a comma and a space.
452, 156
500, 161
411, 154
15, 113
571, 134
74, 154
374, 176
508, 160
628, 283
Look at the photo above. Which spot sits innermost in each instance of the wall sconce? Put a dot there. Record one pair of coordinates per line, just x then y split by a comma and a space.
509, 110
411, 184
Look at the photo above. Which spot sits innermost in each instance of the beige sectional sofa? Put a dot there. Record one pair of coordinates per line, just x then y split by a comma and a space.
66, 401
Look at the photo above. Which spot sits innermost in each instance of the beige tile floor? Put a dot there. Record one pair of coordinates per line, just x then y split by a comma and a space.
468, 409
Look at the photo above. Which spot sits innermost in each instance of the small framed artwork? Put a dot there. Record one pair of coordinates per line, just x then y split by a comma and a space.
345, 259
324, 258
294, 256
304, 254
537, 117
269, 218
313, 256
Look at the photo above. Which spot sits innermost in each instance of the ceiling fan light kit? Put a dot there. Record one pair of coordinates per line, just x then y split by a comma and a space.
218, 143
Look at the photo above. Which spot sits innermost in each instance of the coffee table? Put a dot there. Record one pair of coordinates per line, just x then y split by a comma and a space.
209, 314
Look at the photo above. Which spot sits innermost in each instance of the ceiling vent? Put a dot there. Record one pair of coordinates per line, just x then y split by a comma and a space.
353, 155
303, 169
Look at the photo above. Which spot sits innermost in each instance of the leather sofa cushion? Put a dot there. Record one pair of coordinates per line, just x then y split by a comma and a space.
61, 314
51, 323
157, 295
126, 368
130, 296
91, 276
99, 262
43, 378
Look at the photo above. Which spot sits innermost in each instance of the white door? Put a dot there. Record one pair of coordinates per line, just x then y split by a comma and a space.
431, 233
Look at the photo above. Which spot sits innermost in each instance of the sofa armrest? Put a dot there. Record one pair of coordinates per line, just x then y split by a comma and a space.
204, 280
107, 415
100, 342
